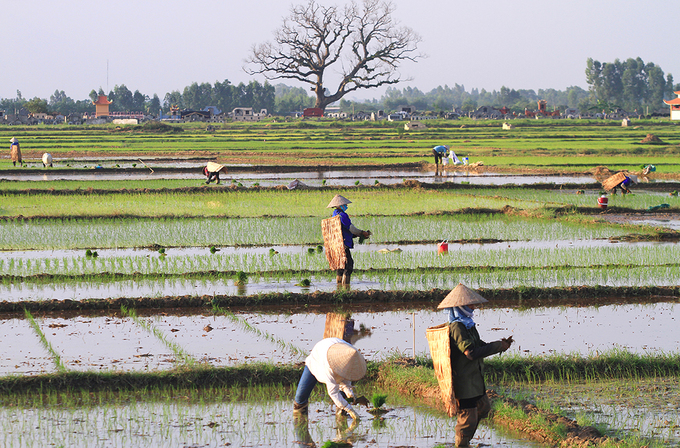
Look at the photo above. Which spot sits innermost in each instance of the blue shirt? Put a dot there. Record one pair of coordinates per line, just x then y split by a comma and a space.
440, 149
346, 222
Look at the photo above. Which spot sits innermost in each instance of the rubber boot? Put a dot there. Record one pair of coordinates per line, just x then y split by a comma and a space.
466, 425
300, 409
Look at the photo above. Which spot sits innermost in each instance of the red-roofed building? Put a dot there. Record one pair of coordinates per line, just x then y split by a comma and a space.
101, 106
675, 106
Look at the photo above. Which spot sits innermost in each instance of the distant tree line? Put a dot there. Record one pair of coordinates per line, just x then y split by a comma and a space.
631, 84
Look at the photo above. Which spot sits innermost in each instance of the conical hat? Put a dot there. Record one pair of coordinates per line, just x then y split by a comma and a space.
337, 201
14, 140
346, 361
461, 295
633, 177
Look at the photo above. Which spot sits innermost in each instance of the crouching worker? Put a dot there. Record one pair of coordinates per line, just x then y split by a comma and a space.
335, 363
467, 360
212, 172
626, 184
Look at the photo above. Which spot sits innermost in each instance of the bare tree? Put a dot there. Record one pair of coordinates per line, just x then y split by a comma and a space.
364, 45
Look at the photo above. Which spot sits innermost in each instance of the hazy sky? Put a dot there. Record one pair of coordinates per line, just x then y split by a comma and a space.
158, 46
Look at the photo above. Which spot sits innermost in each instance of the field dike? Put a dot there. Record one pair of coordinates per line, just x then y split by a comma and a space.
515, 297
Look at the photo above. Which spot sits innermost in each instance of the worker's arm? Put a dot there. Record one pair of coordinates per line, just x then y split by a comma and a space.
488, 349
358, 232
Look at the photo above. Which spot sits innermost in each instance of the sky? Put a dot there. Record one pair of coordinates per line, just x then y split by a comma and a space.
159, 46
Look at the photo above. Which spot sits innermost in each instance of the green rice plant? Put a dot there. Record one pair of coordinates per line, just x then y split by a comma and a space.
56, 358
282, 343
180, 354
378, 400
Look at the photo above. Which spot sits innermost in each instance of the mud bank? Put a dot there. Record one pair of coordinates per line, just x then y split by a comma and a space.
516, 297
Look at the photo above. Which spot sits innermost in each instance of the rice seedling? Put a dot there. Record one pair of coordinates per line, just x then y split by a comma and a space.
43, 340
180, 354
288, 346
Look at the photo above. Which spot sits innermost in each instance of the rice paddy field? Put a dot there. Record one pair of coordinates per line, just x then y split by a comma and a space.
120, 262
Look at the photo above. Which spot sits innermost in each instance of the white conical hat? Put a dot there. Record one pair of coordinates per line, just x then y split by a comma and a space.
337, 201
14, 140
633, 177
346, 361
461, 295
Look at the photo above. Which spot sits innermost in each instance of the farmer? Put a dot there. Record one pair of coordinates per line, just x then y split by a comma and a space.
439, 153
626, 183
15, 151
212, 171
47, 159
467, 365
335, 363
349, 232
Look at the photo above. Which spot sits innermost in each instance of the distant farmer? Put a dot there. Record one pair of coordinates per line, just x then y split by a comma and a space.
467, 354
336, 364
212, 172
15, 151
47, 159
439, 153
626, 183
619, 180
349, 232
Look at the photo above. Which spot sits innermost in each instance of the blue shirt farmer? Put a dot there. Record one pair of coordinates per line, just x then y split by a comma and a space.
346, 222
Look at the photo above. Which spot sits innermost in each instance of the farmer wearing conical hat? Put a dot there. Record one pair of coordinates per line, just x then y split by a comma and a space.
335, 363
467, 354
212, 171
349, 232
15, 151
625, 185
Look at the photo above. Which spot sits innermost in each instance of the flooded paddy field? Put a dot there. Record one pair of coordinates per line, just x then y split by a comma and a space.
325, 177
111, 341
236, 418
647, 407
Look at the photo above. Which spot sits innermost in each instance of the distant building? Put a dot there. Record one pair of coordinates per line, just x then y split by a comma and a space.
101, 106
415, 126
675, 106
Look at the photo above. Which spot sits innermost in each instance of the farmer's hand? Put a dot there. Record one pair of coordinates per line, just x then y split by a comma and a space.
366, 233
506, 343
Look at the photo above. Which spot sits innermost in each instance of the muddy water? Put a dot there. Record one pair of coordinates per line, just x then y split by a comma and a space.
310, 178
297, 249
252, 424
118, 343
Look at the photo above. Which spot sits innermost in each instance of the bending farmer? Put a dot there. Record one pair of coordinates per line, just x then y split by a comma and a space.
439, 153
626, 183
212, 171
335, 363
467, 360
349, 232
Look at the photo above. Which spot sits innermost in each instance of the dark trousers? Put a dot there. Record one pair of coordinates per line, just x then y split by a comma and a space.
349, 265
437, 157
215, 175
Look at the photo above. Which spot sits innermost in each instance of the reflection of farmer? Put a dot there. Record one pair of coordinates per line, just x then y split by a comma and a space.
626, 183
439, 153
467, 354
212, 171
15, 151
349, 232
335, 363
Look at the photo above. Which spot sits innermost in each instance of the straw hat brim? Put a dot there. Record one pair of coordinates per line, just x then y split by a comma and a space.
337, 201
461, 295
634, 178
346, 361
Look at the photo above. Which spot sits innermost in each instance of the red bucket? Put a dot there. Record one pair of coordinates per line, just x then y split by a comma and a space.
603, 201
443, 247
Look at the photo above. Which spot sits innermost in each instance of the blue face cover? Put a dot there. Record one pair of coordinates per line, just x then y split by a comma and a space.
343, 207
